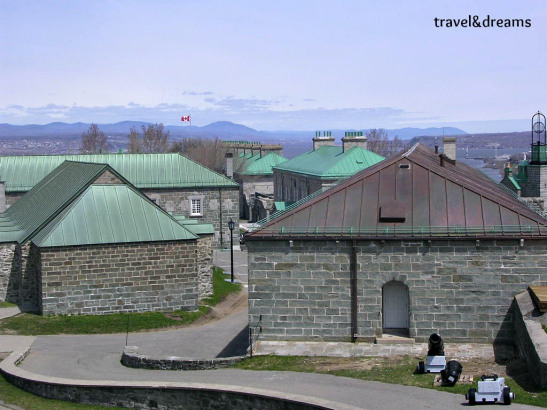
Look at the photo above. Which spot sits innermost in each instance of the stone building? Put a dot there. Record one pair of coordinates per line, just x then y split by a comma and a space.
254, 174
84, 240
531, 181
322, 167
174, 182
418, 243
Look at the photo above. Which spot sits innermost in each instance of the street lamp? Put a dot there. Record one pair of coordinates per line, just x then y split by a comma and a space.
231, 225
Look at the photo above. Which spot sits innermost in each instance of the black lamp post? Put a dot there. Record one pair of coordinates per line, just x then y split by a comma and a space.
231, 225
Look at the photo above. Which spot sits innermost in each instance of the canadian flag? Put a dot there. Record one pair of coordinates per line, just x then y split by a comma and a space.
185, 118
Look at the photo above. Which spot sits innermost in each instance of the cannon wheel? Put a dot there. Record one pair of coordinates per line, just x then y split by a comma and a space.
507, 396
471, 396
421, 367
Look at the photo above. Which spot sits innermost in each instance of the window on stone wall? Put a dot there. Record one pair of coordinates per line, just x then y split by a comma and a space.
196, 207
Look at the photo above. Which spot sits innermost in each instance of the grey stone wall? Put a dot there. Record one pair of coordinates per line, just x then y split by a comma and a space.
13, 197
7, 254
536, 186
98, 279
248, 186
216, 202
462, 291
205, 266
289, 186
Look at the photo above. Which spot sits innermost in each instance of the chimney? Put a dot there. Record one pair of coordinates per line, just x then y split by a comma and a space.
230, 165
322, 141
508, 170
354, 139
449, 148
2, 196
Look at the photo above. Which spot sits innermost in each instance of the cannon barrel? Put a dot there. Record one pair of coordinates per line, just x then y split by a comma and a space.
451, 374
435, 345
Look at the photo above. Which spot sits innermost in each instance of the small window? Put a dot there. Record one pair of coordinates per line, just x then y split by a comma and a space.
196, 207
404, 166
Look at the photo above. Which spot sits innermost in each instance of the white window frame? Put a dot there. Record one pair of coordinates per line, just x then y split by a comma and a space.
196, 206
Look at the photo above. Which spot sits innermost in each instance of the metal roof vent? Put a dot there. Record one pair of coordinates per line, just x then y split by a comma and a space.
393, 211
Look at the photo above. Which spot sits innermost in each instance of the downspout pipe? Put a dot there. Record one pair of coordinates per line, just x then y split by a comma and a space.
220, 214
353, 281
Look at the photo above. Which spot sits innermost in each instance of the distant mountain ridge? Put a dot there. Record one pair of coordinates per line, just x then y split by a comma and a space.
221, 129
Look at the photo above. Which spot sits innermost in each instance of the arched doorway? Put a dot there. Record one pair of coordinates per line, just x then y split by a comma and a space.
395, 306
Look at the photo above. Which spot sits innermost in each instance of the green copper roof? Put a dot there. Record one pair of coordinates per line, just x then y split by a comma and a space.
43, 202
260, 165
193, 226
110, 214
282, 205
514, 182
331, 162
21, 173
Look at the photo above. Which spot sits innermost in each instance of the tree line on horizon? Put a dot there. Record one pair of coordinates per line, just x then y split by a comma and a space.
154, 139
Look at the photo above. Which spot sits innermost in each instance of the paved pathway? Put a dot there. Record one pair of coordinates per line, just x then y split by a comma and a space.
9, 311
221, 258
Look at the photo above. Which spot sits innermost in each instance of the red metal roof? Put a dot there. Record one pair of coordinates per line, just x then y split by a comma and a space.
411, 195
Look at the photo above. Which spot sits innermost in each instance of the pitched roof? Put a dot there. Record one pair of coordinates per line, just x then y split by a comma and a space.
260, 165
410, 195
43, 202
171, 170
65, 209
110, 214
331, 162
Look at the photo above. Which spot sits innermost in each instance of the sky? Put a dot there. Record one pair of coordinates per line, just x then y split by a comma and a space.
273, 65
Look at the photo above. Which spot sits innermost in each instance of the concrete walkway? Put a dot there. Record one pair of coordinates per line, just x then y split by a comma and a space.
221, 258
9, 311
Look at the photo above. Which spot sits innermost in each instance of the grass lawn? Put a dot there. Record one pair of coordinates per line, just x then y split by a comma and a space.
32, 324
401, 372
7, 304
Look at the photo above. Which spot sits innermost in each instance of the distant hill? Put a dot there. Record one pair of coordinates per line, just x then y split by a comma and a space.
507, 140
221, 129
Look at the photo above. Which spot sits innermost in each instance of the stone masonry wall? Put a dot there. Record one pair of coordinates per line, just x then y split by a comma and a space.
7, 254
536, 186
293, 187
98, 279
462, 291
178, 202
107, 177
13, 197
249, 185
205, 266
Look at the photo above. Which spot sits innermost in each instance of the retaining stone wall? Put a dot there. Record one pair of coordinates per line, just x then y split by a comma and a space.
462, 291
131, 358
178, 202
98, 279
190, 398
530, 339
